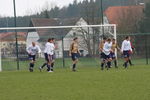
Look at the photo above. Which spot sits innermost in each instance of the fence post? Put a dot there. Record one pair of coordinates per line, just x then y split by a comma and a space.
63, 52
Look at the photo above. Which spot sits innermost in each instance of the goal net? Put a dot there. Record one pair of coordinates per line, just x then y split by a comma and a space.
14, 41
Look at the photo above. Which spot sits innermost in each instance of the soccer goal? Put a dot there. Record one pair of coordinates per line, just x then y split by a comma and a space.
89, 38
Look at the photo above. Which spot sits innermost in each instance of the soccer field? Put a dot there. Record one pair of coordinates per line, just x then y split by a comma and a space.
88, 83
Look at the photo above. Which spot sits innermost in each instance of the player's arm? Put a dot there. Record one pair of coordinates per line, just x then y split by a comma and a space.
70, 50
131, 48
38, 49
28, 49
122, 46
100, 47
79, 52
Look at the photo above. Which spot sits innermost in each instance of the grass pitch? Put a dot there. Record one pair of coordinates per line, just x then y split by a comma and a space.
88, 83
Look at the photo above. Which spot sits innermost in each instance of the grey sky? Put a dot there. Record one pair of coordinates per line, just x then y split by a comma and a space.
27, 7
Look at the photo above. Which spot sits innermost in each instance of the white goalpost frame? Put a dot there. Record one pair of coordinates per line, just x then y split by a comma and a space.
57, 27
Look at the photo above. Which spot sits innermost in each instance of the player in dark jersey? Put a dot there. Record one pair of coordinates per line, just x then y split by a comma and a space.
74, 53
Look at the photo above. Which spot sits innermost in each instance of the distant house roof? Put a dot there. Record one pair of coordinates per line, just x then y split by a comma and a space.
115, 13
10, 36
56, 33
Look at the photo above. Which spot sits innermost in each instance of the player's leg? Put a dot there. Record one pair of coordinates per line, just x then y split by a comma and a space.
46, 62
126, 58
31, 66
115, 62
74, 60
130, 62
102, 64
32, 61
53, 62
114, 59
109, 59
102, 61
49, 63
52, 65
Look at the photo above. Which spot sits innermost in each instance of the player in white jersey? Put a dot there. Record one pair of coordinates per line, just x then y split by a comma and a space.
32, 50
46, 56
107, 49
50, 47
53, 56
126, 49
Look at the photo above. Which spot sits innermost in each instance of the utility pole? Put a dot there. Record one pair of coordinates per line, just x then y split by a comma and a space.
15, 24
102, 16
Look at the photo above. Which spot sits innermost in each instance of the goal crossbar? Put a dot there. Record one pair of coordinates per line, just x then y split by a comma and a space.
55, 27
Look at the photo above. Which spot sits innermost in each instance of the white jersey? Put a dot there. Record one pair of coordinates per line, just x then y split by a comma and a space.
107, 47
32, 50
49, 48
126, 45
45, 49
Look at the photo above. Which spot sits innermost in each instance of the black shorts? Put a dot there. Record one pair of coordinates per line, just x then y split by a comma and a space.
32, 57
102, 55
113, 55
49, 57
126, 54
46, 56
74, 56
105, 57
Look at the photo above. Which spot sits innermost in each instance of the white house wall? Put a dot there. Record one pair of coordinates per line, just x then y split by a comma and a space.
32, 37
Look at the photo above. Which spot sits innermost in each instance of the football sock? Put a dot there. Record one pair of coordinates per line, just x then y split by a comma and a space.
74, 66
130, 62
115, 62
126, 64
43, 65
108, 64
48, 67
52, 65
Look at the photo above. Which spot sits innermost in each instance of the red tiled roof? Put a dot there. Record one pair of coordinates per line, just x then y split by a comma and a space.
118, 12
10, 36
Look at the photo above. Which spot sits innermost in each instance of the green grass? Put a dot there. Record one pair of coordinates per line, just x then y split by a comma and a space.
89, 83
10, 64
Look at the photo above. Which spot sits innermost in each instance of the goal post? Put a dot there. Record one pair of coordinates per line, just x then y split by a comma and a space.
65, 37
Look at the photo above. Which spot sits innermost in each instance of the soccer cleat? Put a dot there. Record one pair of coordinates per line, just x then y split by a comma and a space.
50, 71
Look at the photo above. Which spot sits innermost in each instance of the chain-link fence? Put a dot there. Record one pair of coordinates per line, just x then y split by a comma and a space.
88, 46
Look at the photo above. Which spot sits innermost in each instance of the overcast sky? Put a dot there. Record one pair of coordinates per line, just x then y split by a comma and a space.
27, 7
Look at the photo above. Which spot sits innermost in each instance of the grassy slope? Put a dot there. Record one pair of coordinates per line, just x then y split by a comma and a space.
86, 84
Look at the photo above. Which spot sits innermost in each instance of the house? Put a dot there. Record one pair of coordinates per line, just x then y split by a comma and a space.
62, 36
125, 17
8, 43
